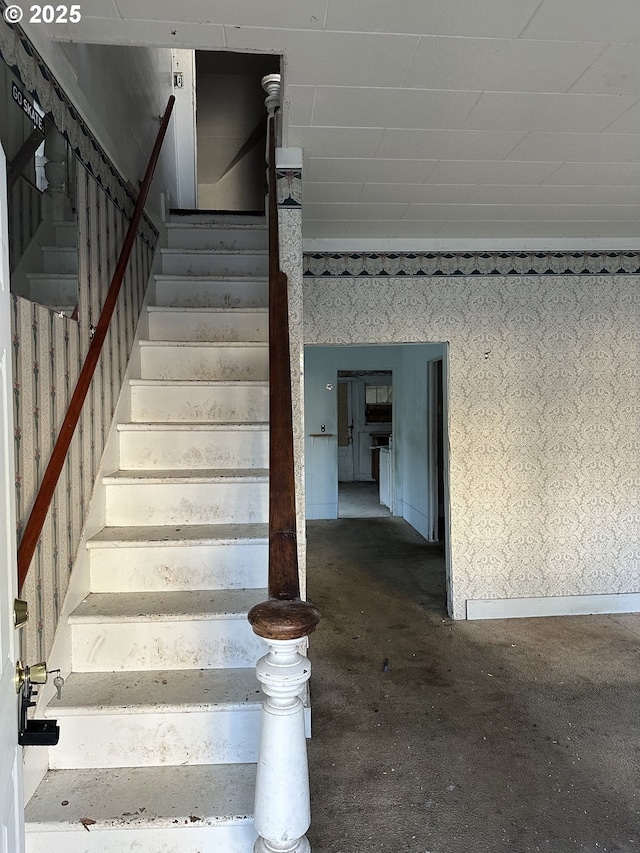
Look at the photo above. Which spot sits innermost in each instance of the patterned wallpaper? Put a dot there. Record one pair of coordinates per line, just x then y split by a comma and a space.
290, 230
544, 427
48, 351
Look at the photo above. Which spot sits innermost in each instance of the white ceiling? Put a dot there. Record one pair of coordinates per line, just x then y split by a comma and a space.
506, 121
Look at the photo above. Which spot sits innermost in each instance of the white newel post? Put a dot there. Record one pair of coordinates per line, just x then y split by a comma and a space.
282, 810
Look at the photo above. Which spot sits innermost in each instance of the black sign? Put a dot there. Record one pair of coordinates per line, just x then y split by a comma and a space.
27, 107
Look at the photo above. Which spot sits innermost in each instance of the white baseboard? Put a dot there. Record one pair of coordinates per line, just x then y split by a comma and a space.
560, 605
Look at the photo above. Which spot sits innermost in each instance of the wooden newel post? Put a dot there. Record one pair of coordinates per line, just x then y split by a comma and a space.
282, 809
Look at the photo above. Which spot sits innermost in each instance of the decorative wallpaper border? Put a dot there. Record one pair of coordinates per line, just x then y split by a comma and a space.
289, 184
397, 264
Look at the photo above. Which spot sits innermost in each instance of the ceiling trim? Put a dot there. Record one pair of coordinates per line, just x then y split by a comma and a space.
477, 244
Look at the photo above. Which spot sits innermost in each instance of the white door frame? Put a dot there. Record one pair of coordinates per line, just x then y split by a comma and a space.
362, 431
183, 63
11, 797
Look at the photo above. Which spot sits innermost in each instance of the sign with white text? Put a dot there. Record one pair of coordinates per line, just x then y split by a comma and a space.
27, 107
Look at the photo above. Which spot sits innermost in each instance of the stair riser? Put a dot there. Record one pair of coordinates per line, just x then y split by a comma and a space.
181, 326
221, 363
191, 838
60, 260
66, 234
201, 404
229, 239
167, 449
212, 294
157, 739
196, 567
162, 644
186, 503
54, 290
213, 264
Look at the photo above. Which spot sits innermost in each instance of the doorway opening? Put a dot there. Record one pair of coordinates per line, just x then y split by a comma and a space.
376, 421
365, 430
231, 129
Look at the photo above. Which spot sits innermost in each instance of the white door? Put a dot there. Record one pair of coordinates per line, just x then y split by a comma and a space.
11, 817
345, 431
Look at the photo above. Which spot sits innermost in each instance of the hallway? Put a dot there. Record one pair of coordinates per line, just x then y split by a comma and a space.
513, 735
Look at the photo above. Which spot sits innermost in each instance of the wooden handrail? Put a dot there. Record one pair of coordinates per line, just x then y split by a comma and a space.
284, 616
34, 525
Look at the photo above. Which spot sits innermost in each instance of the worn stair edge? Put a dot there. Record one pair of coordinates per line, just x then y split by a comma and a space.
198, 383
194, 426
254, 225
172, 606
190, 476
206, 344
210, 278
158, 535
164, 309
241, 252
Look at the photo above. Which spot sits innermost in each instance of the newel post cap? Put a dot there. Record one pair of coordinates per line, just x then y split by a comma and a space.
284, 620
271, 85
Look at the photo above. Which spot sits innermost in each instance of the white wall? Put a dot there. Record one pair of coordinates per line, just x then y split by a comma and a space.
120, 92
544, 420
411, 397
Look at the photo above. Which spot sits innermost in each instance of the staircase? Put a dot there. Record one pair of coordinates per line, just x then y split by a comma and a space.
160, 716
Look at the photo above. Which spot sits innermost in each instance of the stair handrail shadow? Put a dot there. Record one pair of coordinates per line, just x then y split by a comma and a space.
42, 502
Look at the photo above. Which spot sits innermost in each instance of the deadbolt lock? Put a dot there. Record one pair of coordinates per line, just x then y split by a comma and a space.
36, 674
32, 732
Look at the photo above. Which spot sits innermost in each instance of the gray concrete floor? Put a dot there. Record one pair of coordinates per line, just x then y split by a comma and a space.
360, 500
476, 737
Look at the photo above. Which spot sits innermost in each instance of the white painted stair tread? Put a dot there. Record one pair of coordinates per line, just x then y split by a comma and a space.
239, 253
209, 278
180, 605
221, 223
220, 426
198, 310
197, 383
216, 218
177, 690
207, 344
192, 475
187, 534
124, 798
